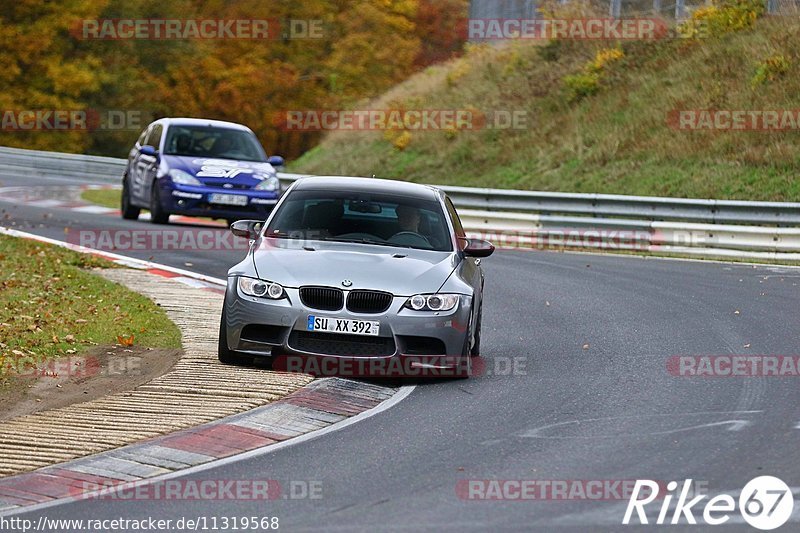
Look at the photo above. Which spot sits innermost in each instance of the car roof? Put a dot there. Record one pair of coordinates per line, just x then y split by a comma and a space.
338, 183
184, 121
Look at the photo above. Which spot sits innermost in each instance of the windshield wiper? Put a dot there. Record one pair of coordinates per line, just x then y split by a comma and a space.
366, 241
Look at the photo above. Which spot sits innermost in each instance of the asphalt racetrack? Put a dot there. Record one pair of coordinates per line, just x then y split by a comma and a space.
578, 385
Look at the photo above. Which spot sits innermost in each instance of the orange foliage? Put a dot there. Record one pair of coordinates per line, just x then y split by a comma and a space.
366, 47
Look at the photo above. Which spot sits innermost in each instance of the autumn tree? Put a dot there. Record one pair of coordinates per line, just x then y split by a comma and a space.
365, 47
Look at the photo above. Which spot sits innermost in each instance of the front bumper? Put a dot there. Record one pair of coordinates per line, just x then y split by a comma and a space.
195, 201
410, 343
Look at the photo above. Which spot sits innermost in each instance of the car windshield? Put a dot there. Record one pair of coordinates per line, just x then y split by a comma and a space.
363, 218
218, 143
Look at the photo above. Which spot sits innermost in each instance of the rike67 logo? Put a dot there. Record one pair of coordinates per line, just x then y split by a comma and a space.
765, 503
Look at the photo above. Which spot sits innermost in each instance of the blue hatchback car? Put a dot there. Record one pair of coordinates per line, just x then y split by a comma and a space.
199, 167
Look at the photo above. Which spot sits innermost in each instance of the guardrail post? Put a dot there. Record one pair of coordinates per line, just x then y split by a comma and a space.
680, 9
772, 6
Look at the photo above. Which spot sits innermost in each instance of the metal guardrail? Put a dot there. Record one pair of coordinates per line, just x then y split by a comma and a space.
19, 162
635, 207
768, 230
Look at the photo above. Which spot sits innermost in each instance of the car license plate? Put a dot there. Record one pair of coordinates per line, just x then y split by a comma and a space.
227, 199
343, 325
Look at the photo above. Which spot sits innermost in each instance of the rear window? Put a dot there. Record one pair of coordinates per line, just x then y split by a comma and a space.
362, 218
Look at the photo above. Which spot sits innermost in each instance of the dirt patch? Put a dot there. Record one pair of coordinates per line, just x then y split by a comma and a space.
97, 372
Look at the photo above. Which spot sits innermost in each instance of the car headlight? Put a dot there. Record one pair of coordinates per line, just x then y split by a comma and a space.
268, 184
432, 302
261, 288
183, 178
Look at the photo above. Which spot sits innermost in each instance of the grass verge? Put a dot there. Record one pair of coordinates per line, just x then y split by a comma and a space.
620, 137
52, 305
104, 197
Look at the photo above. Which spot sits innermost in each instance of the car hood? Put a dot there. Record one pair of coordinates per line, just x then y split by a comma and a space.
218, 172
401, 271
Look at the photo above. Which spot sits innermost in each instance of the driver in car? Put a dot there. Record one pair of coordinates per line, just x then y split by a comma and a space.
408, 218
223, 145
408, 221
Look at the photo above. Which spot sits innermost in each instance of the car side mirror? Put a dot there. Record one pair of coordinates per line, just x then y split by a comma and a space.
276, 161
148, 150
478, 248
249, 229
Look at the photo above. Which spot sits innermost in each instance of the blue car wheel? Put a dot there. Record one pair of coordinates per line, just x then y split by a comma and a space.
157, 213
129, 211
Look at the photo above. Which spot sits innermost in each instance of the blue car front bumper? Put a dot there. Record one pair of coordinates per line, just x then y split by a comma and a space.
205, 201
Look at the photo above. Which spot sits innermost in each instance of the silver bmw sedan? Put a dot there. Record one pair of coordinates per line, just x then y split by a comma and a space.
357, 277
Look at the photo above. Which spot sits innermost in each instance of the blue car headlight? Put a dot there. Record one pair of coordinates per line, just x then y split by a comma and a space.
183, 178
268, 184
261, 288
433, 302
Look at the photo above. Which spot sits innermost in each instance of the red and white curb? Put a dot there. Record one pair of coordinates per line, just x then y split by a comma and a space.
322, 406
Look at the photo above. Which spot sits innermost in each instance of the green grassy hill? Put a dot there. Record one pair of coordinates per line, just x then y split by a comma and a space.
597, 117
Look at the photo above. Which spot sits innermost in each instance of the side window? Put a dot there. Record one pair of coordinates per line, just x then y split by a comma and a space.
143, 136
154, 139
451, 210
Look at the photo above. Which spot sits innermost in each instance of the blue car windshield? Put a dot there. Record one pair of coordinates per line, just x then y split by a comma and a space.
217, 143
362, 218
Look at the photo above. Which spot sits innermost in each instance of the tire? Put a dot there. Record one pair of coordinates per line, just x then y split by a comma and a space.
157, 213
466, 356
226, 355
476, 346
129, 211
